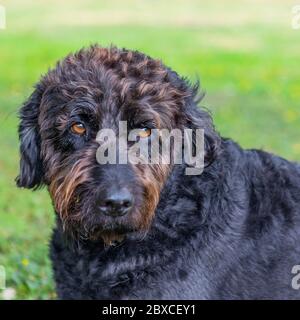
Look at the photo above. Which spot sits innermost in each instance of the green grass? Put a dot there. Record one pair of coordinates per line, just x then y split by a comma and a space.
245, 53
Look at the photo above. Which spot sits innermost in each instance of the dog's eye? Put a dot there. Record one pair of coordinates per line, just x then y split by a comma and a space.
78, 128
144, 132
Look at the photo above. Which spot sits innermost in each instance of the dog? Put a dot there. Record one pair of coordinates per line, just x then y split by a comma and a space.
150, 231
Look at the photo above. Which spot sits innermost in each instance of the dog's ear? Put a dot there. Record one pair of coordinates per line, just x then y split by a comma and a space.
31, 168
198, 118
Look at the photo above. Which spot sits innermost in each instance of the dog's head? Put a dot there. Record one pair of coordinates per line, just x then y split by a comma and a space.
93, 89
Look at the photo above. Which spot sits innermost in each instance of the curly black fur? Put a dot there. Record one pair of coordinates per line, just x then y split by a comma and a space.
231, 233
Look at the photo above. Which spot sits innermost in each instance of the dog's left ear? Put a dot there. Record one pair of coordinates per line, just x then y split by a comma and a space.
197, 118
31, 168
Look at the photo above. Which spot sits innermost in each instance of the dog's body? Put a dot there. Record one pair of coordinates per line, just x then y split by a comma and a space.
232, 232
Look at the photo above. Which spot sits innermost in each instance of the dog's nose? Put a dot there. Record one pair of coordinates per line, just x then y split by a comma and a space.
116, 203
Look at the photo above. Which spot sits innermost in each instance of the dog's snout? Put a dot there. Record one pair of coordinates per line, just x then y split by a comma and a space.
116, 203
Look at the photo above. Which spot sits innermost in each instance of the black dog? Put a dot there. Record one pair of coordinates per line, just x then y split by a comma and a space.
151, 231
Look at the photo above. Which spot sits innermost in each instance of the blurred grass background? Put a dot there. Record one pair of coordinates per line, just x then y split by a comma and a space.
245, 52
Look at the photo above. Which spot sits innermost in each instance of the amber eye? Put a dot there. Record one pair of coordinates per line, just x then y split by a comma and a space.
144, 133
78, 128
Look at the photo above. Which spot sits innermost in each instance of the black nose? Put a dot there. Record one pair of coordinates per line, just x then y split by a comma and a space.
116, 203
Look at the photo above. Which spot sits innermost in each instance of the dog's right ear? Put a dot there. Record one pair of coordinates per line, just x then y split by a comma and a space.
31, 168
